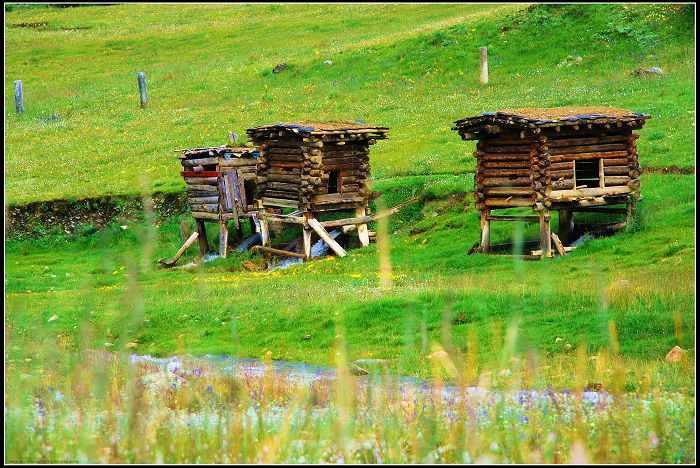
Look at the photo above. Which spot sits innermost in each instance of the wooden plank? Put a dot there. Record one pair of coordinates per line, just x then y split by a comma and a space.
529, 219
616, 180
508, 202
201, 181
200, 174
558, 245
508, 191
485, 232
615, 162
616, 170
205, 215
202, 235
284, 253
202, 200
557, 142
237, 162
587, 149
199, 162
202, 188
588, 192
362, 230
503, 172
171, 261
573, 157
316, 226
223, 239
268, 201
504, 182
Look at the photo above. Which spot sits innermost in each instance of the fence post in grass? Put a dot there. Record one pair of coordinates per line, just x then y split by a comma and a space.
19, 97
143, 96
484, 65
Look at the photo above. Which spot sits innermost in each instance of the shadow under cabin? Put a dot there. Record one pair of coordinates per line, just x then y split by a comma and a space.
569, 159
314, 168
221, 187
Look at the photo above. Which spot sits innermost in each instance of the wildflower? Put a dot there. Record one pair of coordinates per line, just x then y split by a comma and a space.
653, 440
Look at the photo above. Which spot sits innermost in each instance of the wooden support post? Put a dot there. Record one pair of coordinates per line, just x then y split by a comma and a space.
558, 245
316, 226
184, 228
484, 59
202, 231
362, 230
566, 225
264, 231
19, 97
485, 234
631, 210
307, 235
143, 95
545, 233
223, 238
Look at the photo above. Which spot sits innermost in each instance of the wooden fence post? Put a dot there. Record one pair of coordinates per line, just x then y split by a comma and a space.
484, 65
143, 96
19, 97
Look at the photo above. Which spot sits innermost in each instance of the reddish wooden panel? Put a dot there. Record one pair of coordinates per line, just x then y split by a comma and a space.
200, 174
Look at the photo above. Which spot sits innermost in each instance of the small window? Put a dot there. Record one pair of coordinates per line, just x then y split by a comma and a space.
333, 181
587, 173
249, 187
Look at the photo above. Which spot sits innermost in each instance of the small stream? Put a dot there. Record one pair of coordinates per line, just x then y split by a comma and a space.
307, 374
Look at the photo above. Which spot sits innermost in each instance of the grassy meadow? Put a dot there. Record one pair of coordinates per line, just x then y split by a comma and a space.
606, 314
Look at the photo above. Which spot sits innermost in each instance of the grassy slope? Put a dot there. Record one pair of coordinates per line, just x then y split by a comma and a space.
411, 67
643, 280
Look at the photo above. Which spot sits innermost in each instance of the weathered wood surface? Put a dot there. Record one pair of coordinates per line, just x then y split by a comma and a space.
168, 262
316, 226
281, 252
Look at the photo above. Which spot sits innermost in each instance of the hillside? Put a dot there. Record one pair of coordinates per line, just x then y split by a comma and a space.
413, 68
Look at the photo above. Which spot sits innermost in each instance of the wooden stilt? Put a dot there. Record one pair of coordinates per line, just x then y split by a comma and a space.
307, 243
202, 231
362, 231
631, 210
184, 229
264, 231
545, 233
485, 234
566, 225
223, 238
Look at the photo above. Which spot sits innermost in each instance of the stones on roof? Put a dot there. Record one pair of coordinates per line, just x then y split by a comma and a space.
330, 129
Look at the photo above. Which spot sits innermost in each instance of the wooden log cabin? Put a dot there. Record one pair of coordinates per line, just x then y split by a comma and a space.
314, 168
564, 159
221, 187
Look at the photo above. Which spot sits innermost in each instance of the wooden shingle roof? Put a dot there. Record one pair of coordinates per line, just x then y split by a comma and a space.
529, 118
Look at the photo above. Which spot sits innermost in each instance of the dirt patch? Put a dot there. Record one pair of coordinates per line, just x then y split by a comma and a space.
69, 216
668, 170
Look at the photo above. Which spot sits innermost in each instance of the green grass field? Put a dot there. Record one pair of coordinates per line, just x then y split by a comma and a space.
611, 309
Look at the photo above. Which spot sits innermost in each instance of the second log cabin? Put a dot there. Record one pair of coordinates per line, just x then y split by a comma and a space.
314, 168
563, 159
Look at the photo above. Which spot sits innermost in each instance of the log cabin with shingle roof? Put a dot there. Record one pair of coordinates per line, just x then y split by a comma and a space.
565, 159
314, 168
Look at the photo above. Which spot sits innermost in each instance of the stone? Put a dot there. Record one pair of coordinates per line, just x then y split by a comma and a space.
250, 266
280, 67
675, 355
328, 62
307, 337
657, 71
